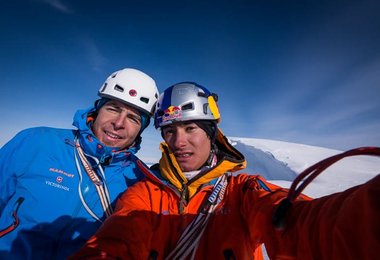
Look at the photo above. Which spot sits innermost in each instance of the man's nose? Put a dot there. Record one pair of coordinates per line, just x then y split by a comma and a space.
180, 138
119, 121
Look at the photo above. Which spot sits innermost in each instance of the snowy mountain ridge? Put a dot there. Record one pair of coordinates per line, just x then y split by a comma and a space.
280, 162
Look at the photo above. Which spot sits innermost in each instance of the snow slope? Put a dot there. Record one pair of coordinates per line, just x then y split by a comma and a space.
280, 162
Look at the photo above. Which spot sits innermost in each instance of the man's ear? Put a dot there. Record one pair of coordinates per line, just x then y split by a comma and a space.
91, 117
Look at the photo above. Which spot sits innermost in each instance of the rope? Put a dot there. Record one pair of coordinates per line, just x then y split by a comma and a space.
308, 175
189, 240
312, 172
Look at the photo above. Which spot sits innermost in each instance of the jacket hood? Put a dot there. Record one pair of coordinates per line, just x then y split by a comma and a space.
229, 160
91, 144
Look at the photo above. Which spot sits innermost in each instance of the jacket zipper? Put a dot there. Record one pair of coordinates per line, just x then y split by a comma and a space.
16, 220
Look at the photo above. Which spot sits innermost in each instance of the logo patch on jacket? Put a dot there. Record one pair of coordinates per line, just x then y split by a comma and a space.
59, 179
57, 185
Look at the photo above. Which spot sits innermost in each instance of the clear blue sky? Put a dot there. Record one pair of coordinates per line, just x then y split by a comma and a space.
297, 71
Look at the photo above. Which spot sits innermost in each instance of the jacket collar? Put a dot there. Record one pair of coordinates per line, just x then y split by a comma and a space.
92, 146
229, 160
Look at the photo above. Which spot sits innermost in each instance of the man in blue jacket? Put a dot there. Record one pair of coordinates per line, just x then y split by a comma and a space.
58, 185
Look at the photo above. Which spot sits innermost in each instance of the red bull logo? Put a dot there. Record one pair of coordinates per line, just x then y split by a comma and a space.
172, 112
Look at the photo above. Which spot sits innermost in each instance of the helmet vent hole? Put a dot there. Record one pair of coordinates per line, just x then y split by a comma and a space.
188, 106
205, 107
201, 94
119, 88
145, 100
104, 87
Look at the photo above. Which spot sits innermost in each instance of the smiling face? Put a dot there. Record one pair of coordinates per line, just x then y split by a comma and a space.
117, 124
190, 144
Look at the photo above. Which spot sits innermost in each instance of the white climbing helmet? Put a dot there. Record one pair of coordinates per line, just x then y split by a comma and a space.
133, 87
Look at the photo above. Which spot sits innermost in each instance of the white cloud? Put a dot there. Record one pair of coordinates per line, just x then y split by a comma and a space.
57, 4
94, 55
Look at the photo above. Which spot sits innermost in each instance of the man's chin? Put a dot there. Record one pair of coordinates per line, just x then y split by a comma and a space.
112, 144
186, 167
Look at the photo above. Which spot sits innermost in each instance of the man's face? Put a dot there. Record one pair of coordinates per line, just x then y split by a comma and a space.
190, 144
117, 124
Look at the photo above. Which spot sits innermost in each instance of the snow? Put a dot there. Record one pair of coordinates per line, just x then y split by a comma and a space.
280, 162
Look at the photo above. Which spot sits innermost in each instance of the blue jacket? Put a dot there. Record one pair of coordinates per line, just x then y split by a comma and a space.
42, 214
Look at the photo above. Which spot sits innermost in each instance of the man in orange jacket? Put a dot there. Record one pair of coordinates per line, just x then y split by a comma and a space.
193, 207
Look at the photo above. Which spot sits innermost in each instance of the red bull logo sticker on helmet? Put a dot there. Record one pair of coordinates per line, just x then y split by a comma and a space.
171, 113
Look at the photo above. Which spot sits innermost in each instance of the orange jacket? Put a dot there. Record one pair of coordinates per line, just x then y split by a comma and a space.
151, 216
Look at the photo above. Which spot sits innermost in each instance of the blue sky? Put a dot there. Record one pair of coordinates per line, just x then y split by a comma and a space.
297, 71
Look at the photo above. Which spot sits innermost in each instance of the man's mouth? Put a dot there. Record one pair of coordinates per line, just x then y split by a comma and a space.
182, 155
113, 136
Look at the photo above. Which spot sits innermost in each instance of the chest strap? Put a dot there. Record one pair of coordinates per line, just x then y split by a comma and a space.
189, 240
100, 184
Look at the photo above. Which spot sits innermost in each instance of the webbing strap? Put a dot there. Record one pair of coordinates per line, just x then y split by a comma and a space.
101, 186
189, 240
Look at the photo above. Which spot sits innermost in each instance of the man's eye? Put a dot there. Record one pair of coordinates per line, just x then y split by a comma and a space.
135, 119
168, 132
190, 128
114, 109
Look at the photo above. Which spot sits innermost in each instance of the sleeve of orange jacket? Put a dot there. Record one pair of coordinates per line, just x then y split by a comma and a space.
259, 199
117, 236
344, 225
